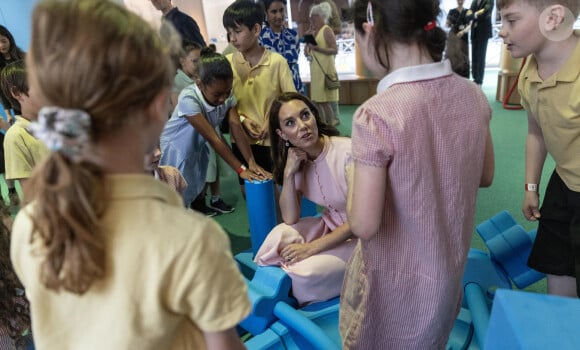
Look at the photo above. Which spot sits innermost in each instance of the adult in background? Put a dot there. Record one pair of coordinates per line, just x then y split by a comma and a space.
314, 250
185, 25
457, 44
285, 41
480, 34
9, 53
322, 63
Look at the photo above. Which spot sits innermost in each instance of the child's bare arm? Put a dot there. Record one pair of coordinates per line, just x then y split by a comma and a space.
535, 157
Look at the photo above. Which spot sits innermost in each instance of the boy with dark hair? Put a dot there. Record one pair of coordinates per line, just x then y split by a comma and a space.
22, 151
260, 76
550, 88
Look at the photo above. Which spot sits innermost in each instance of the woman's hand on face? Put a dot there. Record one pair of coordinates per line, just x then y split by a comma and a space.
294, 160
296, 252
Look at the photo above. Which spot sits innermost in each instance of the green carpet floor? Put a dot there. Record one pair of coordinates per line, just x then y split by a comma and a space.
508, 129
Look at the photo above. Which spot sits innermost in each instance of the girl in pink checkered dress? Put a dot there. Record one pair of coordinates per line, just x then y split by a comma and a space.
421, 149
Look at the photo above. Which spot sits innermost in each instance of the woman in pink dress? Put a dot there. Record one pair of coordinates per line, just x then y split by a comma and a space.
421, 148
310, 160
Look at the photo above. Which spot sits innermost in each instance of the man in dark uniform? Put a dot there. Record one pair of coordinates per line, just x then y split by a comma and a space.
183, 23
480, 34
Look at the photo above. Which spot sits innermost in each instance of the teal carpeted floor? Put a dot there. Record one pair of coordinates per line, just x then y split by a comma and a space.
508, 129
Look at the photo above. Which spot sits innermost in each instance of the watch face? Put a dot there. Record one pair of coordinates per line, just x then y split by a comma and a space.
461, 27
531, 187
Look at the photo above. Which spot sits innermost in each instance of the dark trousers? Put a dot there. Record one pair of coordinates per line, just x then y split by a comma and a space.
478, 51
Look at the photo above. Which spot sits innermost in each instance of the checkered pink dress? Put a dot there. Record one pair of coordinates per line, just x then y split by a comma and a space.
402, 288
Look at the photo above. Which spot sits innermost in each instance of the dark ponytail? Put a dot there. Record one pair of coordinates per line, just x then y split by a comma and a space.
213, 66
402, 21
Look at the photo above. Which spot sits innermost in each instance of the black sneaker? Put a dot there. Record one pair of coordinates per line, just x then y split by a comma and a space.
221, 206
200, 206
207, 211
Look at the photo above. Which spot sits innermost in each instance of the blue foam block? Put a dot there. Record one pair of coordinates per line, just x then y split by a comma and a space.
510, 245
246, 263
461, 336
495, 225
307, 208
261, 210
304, 326
522, 320
477, 302
480, 269
269, 286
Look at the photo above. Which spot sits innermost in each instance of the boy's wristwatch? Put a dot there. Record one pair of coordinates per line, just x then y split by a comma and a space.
531, 187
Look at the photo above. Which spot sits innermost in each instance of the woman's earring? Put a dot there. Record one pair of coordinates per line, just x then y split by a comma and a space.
287, 144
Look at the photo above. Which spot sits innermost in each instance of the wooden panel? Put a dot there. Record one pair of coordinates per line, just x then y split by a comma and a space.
354, 90
505, 82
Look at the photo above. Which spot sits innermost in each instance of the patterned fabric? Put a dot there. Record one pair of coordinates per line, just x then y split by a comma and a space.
402, 288
171, 176
287, 44
63, 130
323, 181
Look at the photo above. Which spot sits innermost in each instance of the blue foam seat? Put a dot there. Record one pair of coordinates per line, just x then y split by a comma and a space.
510, 245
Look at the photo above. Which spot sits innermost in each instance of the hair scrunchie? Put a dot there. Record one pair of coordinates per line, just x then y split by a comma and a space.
63, 130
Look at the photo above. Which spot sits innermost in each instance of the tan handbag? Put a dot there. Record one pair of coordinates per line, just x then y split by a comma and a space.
329, 82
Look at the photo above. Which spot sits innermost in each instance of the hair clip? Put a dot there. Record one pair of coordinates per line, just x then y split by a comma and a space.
63, 130
430, 25
370, 18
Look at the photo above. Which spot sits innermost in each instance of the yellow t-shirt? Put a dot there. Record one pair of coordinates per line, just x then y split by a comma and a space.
256, 87
169, 276
22, 151
555, 102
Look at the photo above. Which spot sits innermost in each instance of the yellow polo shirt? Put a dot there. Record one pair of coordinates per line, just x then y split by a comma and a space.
169, 276
256, 87
22, 151
555, 102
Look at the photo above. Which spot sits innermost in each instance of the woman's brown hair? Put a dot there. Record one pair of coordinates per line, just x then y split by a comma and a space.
99, 57
278, 147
